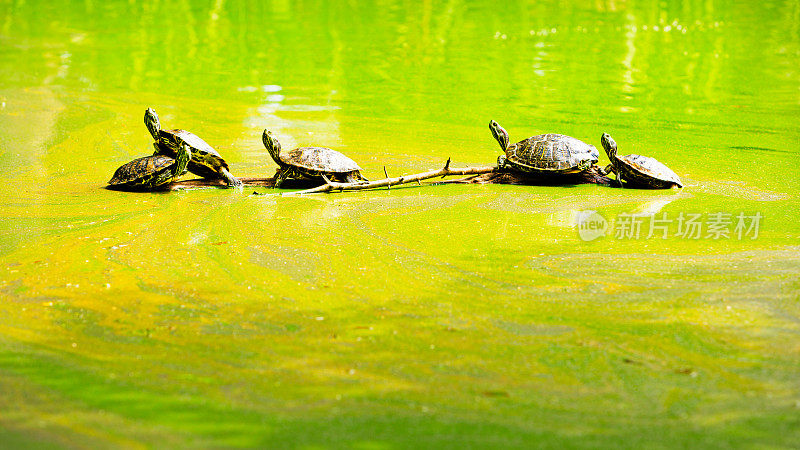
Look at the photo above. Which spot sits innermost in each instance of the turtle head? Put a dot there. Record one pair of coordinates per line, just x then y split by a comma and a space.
499, 133
609, 145
273, 146
152, 123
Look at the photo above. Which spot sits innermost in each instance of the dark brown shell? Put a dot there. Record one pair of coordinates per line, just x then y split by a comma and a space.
644, 170
319, 159
194, 141
551, 153
205, 160
141, 169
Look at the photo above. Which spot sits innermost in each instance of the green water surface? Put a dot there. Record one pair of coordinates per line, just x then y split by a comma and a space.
450, 316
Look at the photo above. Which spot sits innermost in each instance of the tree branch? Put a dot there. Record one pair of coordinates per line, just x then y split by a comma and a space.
474, 175
331, 186
200, 183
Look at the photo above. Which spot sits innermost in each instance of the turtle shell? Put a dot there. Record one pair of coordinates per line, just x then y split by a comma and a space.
205, 161
319, 159
553, 153
647, 171
141, 171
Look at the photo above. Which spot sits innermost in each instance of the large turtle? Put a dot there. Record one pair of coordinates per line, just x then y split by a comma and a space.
205, 162
637, 169
544, 153
311, 163
152, 171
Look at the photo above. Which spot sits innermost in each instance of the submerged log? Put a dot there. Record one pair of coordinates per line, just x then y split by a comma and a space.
203, 183
200, 183
477, 175
592, 175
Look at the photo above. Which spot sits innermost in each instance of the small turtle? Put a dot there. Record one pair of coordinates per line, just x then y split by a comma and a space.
205, 162
545, 153
152, 171
636, 169
311, 163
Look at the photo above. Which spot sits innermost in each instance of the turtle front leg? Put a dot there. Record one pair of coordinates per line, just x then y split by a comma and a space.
618, 174
178, 168
160, 180
501, 162
609, 169
280, 177
181, 160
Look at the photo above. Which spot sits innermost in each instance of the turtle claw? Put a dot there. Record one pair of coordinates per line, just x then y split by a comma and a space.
232, 181
501, 162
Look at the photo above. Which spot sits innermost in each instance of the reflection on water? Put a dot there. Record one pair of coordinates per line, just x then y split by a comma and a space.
639, 71
571, 218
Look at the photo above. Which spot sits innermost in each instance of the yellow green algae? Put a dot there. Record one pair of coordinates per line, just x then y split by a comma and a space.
448, 316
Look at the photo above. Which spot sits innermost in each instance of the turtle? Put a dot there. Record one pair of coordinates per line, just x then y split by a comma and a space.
544, 154
311, 163
152, 171
638, 170
205, 162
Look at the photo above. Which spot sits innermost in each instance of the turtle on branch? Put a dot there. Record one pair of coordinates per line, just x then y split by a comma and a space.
311, 163
546, 159
638, 170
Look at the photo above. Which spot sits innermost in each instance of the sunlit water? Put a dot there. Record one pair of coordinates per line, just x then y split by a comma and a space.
445, 316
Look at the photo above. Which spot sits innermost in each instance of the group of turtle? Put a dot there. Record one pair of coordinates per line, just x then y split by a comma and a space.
559, 154
179, 151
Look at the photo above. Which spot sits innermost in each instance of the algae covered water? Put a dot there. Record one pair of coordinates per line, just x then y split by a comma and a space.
441, 316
